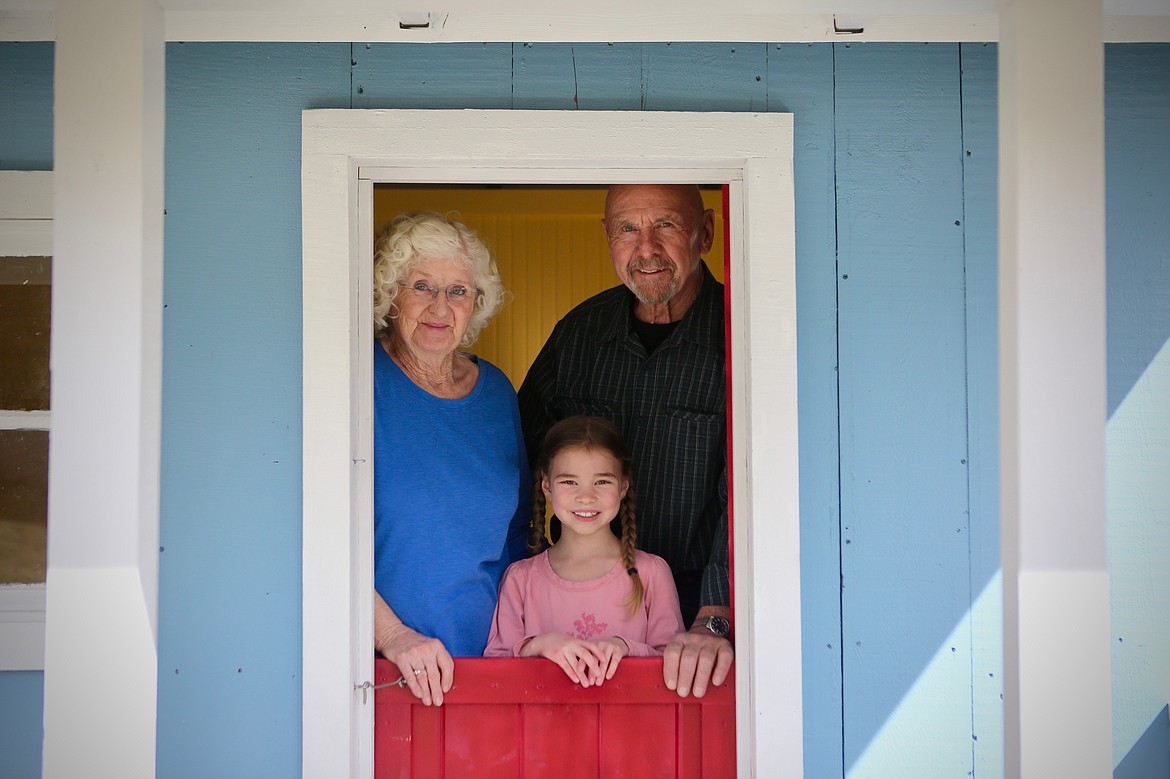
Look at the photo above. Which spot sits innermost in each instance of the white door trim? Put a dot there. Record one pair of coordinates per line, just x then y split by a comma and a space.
344, 153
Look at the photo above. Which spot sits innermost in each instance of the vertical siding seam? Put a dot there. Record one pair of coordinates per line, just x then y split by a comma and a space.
573, 58
966, 394
837, 364
767, 89
641, 76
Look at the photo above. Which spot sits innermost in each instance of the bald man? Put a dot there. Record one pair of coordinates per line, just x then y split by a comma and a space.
649, 356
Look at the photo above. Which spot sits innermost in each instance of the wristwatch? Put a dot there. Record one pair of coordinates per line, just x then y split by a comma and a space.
718, 625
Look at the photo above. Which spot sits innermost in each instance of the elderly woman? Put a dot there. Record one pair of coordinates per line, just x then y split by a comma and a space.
451, 483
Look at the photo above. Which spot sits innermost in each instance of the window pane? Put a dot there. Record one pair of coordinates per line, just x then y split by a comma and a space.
24, 505
24, 333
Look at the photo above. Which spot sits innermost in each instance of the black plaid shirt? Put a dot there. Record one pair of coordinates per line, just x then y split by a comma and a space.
671, 408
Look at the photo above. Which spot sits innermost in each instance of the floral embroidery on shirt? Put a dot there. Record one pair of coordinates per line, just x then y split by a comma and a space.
588, 627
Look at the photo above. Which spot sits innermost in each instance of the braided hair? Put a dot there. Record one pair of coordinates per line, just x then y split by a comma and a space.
589, 433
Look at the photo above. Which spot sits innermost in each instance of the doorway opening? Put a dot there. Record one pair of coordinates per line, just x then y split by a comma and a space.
345, 154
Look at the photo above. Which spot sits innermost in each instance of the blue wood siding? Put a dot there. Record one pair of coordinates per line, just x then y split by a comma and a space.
800, 82
22, 709
905, 563
406, 76
1137, 240
978, 72
895, 161
26, 106
586, 76
230, 571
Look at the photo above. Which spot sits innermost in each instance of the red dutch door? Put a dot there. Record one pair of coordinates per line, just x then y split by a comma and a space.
524, 718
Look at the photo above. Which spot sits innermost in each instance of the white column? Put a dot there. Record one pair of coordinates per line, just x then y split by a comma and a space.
1057, 707
101, 659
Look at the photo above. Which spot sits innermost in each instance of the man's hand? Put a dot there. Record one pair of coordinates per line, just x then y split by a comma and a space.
694, 659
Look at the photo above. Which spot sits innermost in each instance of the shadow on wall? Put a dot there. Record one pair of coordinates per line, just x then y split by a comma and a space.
1150, 756
1138, 434
1138, 495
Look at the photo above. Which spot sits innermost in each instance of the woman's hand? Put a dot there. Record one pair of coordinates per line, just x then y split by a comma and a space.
424, 662
580, 660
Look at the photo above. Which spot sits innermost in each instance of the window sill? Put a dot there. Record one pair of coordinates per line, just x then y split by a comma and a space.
22, 627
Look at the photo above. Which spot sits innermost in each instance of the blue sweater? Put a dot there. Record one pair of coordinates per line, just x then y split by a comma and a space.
452, 500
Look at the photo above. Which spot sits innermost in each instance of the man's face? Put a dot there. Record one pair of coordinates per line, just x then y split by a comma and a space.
657, 235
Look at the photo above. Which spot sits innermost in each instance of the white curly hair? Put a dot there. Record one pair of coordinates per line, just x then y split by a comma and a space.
411, 237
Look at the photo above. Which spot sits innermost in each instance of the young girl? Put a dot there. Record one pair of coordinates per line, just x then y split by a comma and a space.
591, 599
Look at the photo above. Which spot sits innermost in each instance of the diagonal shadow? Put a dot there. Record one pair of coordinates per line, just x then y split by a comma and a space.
1150, 756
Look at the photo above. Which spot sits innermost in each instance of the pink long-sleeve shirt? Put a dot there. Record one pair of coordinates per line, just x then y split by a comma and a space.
534, 600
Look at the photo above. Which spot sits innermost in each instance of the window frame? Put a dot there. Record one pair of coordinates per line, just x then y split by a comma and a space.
344, 152
26, 230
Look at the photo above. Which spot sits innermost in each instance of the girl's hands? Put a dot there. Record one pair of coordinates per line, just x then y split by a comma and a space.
575, 657
612, 650
424, 662
587, 663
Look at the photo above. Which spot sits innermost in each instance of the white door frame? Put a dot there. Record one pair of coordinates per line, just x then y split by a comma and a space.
344, 153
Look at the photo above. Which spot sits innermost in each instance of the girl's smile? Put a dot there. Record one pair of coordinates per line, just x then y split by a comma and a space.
585, 488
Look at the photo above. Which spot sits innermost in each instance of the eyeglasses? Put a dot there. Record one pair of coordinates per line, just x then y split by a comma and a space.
457, 294
660, 230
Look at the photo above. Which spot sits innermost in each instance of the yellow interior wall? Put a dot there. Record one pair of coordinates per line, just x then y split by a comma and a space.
550, 248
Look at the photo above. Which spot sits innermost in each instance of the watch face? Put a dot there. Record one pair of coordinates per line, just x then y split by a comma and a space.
718, 625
